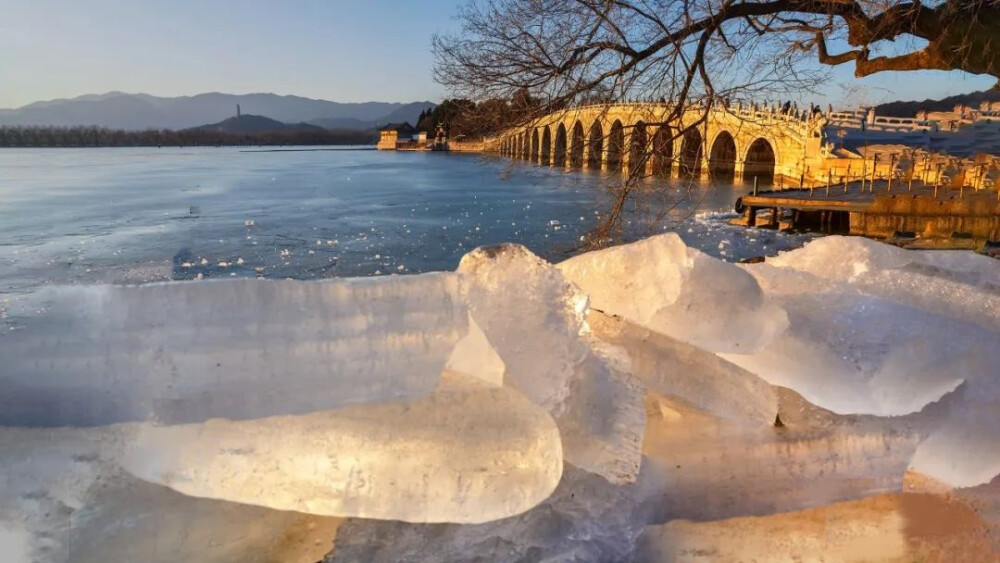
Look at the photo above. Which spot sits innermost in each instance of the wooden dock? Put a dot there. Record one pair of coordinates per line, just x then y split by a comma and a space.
883, 210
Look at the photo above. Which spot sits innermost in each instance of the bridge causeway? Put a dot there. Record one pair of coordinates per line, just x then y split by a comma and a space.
738, 141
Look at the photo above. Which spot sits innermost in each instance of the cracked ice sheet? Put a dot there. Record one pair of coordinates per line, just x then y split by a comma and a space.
535, 320
661, 284
186, 352
457, 455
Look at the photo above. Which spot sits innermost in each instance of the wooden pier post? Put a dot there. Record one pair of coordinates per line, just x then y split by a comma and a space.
871, 186
892, 168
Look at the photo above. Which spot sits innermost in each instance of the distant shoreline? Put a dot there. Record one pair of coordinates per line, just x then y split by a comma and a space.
97, 137
345, 148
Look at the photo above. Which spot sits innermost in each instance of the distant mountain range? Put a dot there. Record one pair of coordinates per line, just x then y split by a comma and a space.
909, 109
118, 110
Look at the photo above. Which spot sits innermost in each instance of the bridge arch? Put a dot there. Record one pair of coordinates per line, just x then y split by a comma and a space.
760, 162
546, 145
638, 142
691, 153
616, 145
576, 146
722, 157
663, 151
525, 145
595, 142
534, 145
559, 151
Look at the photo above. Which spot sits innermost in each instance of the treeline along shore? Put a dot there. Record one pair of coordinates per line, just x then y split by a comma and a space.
41, 137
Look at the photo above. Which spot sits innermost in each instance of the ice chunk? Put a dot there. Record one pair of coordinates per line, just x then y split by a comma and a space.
876, 329
661, 284
454, 456
853, 353
958, 284
182, 352
603, 423
531, 315
700, 378
535, 320
704, 467
842, 258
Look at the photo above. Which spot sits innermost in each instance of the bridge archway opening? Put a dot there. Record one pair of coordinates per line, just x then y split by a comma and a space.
546, 145
525, 145
576, 146
722, 158
534, 145
759, 163
691, 152
596, 145
662, 151
616, 145
517, 146
637, 149
559, 152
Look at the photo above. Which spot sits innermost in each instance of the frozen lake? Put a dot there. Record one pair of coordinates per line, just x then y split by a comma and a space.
147, 214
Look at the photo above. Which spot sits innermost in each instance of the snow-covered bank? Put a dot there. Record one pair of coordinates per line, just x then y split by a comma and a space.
488, 412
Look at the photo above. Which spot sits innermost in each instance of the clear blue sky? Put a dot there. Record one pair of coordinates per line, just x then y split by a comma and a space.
341, 50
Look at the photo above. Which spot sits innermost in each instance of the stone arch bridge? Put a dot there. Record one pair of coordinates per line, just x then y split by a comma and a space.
735, 142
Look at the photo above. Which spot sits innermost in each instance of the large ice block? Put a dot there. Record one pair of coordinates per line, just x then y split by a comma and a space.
466, 456
661, 284
535, 321
531, 315
189, 351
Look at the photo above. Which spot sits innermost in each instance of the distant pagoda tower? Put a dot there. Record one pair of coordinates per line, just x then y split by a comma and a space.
237, 110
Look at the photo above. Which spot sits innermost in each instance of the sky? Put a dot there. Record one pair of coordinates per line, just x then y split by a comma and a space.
339, 50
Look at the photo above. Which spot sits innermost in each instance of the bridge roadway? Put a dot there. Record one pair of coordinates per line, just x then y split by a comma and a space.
739, 141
